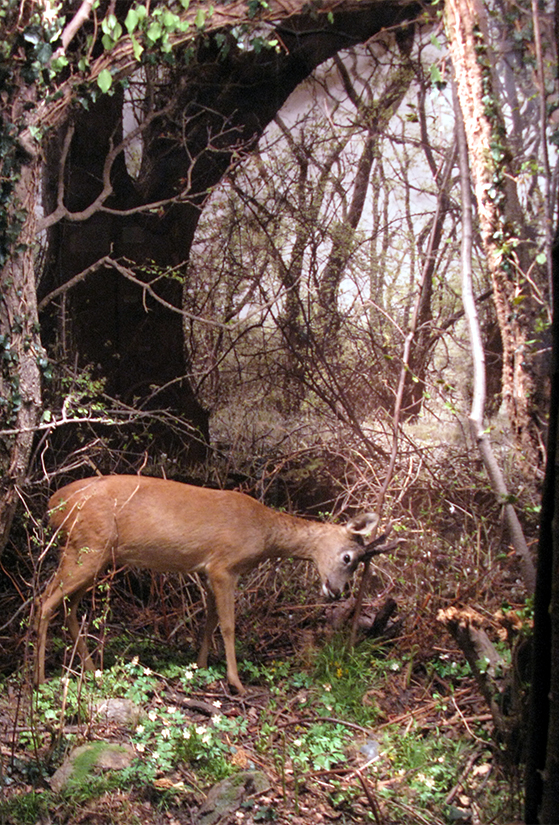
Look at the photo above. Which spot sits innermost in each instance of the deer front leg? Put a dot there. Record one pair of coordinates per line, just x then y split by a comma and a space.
223, 587
210, 626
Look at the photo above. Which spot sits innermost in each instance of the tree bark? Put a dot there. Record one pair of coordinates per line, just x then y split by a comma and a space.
542, 759
503, 233
21, 351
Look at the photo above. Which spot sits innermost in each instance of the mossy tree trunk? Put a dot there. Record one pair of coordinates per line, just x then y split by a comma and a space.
505, 237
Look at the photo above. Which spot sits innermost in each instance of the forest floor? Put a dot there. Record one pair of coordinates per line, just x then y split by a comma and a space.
389, 731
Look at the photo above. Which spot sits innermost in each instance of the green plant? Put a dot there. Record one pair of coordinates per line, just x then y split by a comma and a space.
26, 808
320, 747
345, 675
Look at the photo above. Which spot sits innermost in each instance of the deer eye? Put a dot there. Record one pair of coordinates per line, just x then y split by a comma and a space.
347, 558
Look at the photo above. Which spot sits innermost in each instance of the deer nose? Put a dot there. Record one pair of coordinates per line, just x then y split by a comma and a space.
329, 591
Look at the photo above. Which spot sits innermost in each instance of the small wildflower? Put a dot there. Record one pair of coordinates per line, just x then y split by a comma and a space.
140, 729
152, 715
215, 719
171, 709
188, 675
135, 661
165, 733
216, 703
201, 729
297, 743
98, 674
327, 688
186, 733
140, 747
148, 671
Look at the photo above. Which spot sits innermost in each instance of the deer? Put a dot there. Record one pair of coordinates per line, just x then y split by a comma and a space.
171, 527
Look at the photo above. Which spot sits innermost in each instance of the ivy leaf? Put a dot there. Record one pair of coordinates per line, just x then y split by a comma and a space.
154, 31
43, 53
105, 80
132, 20
137, 48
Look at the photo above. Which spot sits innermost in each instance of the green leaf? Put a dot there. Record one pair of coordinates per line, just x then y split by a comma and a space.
132, 20
170, 21
137, 47
200, 19
44, 53
154, 31
108, 42
541, 258
436, 76
105, 80
185, 4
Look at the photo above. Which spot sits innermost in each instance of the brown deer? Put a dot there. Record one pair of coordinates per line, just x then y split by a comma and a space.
167, 526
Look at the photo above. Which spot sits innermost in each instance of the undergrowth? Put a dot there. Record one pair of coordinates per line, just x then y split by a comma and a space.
323, 732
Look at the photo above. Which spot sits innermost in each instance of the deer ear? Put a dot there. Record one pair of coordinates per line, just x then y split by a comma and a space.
362, 525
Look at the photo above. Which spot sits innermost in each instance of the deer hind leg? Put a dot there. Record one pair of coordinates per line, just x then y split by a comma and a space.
72, 583
74, 628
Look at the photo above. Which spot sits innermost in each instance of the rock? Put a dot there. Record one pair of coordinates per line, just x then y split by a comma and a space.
93, 756
120, 711
228, 795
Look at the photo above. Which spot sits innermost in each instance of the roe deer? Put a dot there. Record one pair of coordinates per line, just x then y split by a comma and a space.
167, 526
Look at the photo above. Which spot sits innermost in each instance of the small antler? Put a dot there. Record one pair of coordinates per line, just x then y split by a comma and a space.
378, 546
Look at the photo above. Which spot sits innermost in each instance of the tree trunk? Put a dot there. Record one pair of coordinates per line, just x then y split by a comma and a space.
20, 347
542, 760
500, 215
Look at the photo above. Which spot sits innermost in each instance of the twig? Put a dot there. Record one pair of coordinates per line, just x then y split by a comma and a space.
379, 819
332, 719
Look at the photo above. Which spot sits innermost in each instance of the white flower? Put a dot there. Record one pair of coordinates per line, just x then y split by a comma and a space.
216, 704
165, 733
140, 729
215, 719
171, 709
188, 675
186, 733
135, 660
426, 780
152, 715
327, 688
297, 743
148, 671
140, 747
98, 674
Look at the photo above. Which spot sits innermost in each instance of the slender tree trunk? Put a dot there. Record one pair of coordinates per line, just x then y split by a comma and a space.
477, 412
